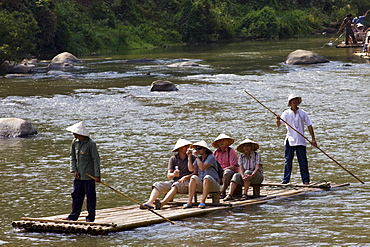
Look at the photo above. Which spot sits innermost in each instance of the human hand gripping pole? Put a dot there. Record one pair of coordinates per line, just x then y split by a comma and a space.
306, 139
131, 199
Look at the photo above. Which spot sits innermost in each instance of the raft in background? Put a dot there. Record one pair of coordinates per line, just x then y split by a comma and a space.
128, 217
363, 55
343, 45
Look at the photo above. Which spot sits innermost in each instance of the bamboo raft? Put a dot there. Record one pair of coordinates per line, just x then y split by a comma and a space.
343, 45
128, 217
363, 55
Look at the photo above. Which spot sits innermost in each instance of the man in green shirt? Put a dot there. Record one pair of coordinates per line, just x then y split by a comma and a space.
84, 160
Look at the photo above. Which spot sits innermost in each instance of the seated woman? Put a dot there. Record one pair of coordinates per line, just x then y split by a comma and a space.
250, 169
207, 179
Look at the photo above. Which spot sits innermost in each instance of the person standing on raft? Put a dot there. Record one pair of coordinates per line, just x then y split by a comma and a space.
84, 160
296, 118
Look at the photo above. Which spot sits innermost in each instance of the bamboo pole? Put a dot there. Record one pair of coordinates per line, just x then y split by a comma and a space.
306, 139
133, 200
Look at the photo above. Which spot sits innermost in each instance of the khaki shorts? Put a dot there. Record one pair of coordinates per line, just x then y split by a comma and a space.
182, 187
163, 187
214, 186
257, 179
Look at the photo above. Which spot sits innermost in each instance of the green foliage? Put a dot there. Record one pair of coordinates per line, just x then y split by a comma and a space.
297, 23
270, 24
17, 35
82, 26
261, 24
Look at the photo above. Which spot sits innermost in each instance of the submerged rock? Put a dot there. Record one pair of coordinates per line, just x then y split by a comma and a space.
160, 85
184, 64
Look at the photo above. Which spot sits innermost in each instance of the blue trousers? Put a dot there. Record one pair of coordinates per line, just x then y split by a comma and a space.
80, 189
302, 160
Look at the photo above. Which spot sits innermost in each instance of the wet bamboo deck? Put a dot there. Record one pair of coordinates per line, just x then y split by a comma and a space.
128, 217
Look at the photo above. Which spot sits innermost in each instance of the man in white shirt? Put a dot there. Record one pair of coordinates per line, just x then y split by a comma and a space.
294, 142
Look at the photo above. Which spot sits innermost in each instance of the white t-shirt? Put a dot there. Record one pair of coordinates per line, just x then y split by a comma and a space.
297, 121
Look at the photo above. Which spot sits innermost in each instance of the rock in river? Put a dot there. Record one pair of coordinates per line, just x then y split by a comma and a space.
160, 85
16, 127
305, 57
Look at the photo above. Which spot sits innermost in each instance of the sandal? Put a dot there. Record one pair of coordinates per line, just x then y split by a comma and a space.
185, 206
202, 205
244, 197
146, 206
228, 198
222, 195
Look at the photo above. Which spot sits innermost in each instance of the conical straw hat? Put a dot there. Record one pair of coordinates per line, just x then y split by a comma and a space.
79, 129
202, 144
293, 96
247, 141
220, 137
180, 143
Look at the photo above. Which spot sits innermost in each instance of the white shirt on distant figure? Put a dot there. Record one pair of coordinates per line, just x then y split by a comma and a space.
297, 121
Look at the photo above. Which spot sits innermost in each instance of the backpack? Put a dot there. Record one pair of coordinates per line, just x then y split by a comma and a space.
219, 171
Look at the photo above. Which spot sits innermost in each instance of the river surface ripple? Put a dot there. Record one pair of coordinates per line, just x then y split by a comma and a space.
135, 130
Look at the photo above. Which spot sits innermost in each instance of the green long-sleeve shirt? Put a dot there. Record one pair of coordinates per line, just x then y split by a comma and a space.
85, 158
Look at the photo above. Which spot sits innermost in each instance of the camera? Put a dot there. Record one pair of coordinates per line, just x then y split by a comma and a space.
191, 150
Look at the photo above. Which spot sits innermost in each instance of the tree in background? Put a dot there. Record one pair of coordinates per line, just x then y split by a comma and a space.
17, 35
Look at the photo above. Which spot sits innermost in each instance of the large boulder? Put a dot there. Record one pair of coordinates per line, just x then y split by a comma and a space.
63, 61
65, 57
305, 57
160, 85
16, 127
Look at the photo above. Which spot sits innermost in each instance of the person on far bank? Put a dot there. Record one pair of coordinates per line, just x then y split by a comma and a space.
227, 158
207, 180
178, 174
294, 142
347, 25
84, 159
250, 169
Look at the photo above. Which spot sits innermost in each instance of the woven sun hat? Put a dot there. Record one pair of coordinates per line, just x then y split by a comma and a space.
247, 141
293, 96
202, 144
79, 129
181, 143
221, 137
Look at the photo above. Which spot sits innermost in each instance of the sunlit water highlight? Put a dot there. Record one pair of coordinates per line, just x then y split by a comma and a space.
135, 129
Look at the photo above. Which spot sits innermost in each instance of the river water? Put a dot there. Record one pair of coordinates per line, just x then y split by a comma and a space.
135, 130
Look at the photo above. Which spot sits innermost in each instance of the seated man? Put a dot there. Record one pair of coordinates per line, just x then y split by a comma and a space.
227, 158
178, 173
250, 168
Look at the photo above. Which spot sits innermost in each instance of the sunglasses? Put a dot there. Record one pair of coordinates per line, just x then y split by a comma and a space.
198, 148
